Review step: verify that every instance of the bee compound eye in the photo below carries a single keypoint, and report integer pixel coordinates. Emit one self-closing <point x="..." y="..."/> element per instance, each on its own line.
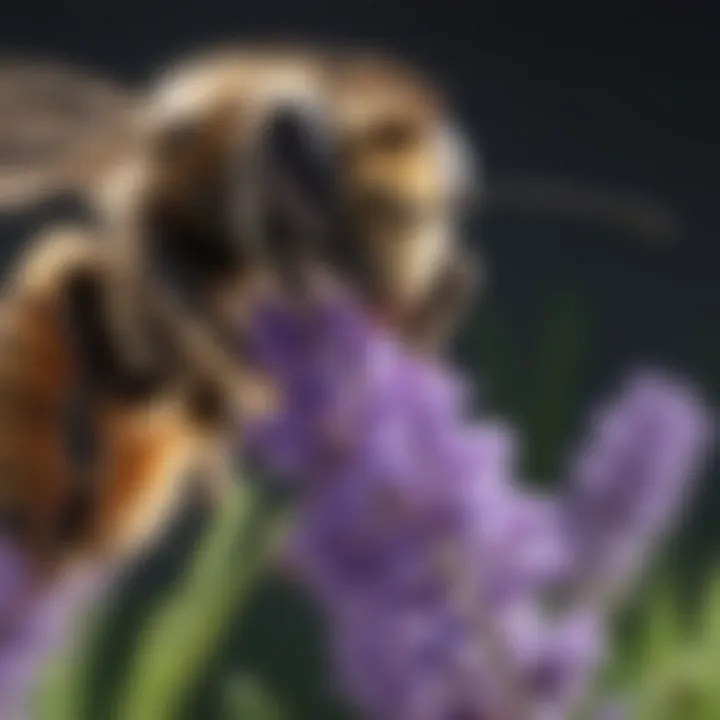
<point x="298" y="147"/>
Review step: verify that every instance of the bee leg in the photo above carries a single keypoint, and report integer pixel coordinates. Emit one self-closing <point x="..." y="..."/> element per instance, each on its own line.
<point x="433" y="325"/>
<point x="147" y="468"/>
<point x="216" y="476"/>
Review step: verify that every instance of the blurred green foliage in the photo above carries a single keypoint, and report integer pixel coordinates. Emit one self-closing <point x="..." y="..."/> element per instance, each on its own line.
<point x="206" y="630"/>
<point x="665" y="668"/>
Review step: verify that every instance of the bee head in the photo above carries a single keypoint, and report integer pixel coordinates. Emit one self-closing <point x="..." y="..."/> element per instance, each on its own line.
<point x="406" y="177"/>
<point x="280" y="160"/>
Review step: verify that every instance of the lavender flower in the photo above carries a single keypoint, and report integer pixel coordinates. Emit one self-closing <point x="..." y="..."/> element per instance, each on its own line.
<point x="631" y="478"/>
<point x="613" y="709"/>
<point x="429" y="556"/>
<point x="34" y="623"/>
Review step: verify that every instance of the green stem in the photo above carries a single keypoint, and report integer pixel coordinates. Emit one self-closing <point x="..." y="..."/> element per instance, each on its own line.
<point x="178" y="643"/>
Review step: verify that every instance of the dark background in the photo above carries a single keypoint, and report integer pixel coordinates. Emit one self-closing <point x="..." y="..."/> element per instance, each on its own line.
<point x="628" y="99"/>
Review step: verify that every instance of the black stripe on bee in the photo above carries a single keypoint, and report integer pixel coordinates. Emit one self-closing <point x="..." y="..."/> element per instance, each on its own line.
<point x="101" y="361"/>
<point x="24" y="405"/>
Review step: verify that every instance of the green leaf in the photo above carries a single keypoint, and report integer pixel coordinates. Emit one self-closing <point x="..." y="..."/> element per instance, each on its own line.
<point x="711" y="614"/>
<point x="673" y="672"/>
<point x="247" y="699"/>
<point x="177" y="643"/>
<point x="663" y="632"/>
<point x="490" y="352"/>
<point x="556" y="381"/>
<point x="61" y="692"/>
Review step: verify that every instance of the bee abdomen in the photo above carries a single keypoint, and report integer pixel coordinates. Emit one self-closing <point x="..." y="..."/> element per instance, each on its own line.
<point x="37" y="478"/>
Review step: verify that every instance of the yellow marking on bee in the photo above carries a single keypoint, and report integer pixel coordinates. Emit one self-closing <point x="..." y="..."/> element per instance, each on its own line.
<point x="146" y="467"/>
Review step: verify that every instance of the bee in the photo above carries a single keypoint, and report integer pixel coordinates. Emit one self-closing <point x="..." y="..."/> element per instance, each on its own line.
<point x="410" y="176"/>
<point x="240" y="174"/>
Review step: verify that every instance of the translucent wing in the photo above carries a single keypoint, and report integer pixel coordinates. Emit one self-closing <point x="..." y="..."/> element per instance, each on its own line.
<point x="56" y="121"/>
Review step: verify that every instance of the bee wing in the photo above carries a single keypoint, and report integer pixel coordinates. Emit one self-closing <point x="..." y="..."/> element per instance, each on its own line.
<point x="55" y="122"/>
